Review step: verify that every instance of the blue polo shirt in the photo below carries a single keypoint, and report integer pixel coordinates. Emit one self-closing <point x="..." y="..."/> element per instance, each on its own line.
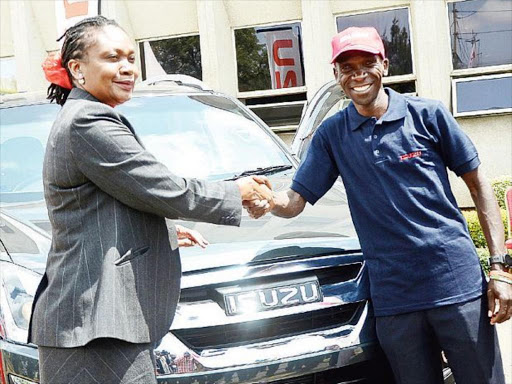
<point x="413" y="236"/>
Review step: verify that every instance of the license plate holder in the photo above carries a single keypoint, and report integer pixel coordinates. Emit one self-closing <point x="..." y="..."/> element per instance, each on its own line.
<point x="269" y="296"/>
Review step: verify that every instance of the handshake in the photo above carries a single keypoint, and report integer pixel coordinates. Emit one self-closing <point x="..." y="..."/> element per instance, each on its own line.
<point x="257" y="196"/>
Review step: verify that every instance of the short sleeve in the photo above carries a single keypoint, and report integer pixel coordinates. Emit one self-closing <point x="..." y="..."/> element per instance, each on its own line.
<point x="317" y="172"/>
<point x="457" y="150"/>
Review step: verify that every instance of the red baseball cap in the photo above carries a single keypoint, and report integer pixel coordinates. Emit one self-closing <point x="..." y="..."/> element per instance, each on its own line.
<point x="364" y="39"/>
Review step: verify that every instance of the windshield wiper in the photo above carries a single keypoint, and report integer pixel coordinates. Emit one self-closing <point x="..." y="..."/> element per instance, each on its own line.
<point x="261" y="171"/>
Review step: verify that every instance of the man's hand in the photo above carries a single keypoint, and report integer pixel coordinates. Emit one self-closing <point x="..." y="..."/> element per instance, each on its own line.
<point x="256" y="192"/>
<point x="257" y="208"/>
<point x="492" y="226"/>
<point x="286" y="204"/>
<point x="188" y="237"/>
<point x="499" y="297"/>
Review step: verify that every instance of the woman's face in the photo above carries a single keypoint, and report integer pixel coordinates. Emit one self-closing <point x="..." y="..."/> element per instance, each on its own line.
<point x="108" y="67"/>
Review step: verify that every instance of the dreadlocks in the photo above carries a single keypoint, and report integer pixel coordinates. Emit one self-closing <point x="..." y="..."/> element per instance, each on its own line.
<point x="76" y="41"/>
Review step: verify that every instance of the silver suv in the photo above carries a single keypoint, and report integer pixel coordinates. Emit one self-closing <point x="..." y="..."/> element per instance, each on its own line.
<point x="275" y="300"/>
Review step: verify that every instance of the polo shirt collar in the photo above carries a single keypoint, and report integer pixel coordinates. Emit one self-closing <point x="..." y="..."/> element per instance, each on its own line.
<point x="397" y="108"/>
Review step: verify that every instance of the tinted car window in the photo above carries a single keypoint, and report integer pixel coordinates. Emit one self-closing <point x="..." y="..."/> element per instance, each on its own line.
<point x="332" y="101"/>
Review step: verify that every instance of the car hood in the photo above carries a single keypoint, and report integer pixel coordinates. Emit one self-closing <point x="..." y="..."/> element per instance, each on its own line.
<point x="261" y="252"/>
<point x="326" y="223"/>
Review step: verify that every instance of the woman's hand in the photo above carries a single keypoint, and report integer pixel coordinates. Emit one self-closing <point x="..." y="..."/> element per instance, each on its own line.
<point x="188" y="237"/>
<point x="256" y="191"/>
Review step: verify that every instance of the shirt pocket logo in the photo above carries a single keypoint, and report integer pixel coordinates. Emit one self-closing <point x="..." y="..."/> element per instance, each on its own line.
<point x="410" y="155"/>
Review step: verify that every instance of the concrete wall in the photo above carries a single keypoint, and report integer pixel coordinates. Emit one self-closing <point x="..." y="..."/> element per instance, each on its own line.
<point x="6" y="42"/>
<point x="493" y="139"/>
<point x="28" y="32"/>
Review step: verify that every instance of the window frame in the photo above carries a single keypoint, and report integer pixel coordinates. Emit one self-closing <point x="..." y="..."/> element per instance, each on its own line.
<point x="396" y="78"/>
<point x="480" y="112"/>
<point x="142" y="60"/>
<point x="267" y="92"/>
<point x="491" y="69"/>
<point x="471" y="74"/>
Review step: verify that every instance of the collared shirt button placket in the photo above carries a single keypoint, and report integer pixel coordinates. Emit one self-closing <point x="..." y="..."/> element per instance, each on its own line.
<point x="373" y="123"/>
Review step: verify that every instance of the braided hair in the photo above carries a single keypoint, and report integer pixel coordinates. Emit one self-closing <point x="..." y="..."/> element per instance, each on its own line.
<point x="77" y="39"/>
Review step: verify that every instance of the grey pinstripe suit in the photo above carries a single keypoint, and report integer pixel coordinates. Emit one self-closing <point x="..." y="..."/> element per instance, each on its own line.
<point x="113" y="270"/>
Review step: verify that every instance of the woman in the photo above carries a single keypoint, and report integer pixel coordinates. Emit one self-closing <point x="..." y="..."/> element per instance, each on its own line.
<point x="112" y="278"/>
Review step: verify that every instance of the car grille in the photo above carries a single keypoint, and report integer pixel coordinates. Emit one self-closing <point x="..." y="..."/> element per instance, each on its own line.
<point x="231" y="335"/>
<point x="325" y="276"/>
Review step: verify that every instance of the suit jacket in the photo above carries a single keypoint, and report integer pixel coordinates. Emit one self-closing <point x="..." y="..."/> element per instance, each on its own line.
<point x="113" y="269"/>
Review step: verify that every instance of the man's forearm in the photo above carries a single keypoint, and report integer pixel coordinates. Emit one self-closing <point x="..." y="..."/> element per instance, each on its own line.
<point x="288" y="204"/>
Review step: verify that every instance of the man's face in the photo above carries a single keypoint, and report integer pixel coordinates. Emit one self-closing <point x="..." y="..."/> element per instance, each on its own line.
<point x="109" y="68"/>
<point x="360" y="75"/>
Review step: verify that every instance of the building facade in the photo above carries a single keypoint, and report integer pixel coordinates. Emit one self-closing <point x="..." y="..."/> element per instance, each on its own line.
<point x="274" y="54"/>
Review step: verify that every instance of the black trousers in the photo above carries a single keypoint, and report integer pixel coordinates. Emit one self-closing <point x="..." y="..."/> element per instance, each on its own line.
<point x="413" y="342"/>
<point x="102" y="361"/>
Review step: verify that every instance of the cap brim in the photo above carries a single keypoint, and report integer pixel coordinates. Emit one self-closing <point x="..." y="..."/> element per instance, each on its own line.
<point x="359" y="48"/>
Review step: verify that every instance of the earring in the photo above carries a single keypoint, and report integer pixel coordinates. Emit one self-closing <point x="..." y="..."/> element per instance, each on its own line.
<point x="81" y="79"/>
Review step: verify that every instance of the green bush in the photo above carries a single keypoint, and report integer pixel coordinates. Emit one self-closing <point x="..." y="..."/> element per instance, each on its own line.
<point x="483" y="255"/>
<point x="475" y="230"/>
<point x="499" y="185"/>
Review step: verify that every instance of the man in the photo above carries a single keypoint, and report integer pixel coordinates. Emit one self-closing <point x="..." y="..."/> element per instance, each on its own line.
<point x="426" y="283"/>
<point x="186" y="363"/>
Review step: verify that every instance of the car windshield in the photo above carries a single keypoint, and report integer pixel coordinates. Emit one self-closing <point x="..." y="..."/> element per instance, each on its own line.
<point x="201" y="136"/>
<point x="24" y="132"/>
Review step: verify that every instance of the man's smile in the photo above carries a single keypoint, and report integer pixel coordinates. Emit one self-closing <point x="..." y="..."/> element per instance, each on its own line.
<point x="362" y="88"/>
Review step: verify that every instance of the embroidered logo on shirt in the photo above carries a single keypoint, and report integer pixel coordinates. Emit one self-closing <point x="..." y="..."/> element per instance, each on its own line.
<point x="410" y="155"/>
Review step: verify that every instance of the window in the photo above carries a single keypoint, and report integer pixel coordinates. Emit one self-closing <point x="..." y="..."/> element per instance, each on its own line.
<point x="393" y="27"/>
<point x="269" y="57"/>
<point x="482" y="95"/>
<point x="177" y="55"/>
<point x="481" y="33"/>
<point x="270" y="70"/>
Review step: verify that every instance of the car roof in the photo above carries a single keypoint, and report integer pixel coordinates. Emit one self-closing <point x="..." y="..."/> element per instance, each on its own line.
<point x="159" y="86"/>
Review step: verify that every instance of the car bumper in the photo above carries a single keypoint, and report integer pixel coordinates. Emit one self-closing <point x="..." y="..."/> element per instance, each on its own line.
<point x="20" y="362"/>
<point x="283" y="359"/>
<point x="280" y="359"/>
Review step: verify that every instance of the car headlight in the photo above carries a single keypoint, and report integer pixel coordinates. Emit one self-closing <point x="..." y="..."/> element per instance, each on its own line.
<point x="16" y="296"/>
<point x="20" y="380"/>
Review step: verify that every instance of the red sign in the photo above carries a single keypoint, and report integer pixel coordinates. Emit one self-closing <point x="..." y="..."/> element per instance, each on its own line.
<point x="69" y="12"/>
<point x="76" y="8"/>
<point x="284" y="59"/>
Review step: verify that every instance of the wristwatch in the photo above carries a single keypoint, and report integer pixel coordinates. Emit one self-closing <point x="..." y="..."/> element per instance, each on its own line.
<point x="504" y="259"/>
